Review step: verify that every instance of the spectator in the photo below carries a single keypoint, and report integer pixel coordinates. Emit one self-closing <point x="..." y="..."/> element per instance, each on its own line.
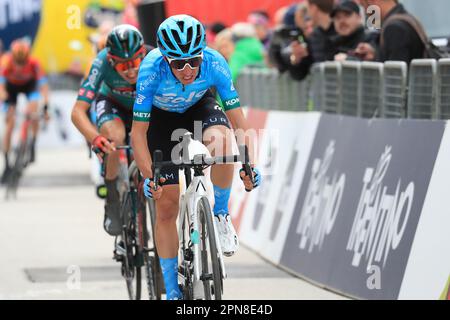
<point x="318" y="47"/>
<point x="212" y="31"/>
<point x="350" y="29"/>
<point x="401" y="40"/>
<point x="320" y="42"/>
<point x="223" y="42"/>
<point x="303" y="19"/>
<point x="241" y="47"/>
<point x="260" y="21"/>
<point x="278" y="17"/>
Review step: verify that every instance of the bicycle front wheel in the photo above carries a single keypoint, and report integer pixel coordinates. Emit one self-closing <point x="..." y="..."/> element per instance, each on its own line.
<point x="211" y="274"/>
<point x="131" y="268"/>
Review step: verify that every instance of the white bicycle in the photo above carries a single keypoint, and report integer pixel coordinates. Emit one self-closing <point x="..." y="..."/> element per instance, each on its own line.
<point x="201" y="269"/>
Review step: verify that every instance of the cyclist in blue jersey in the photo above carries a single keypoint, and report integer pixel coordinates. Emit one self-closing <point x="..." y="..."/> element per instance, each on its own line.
<point x="112" y="84"/>
<point x="173" y="92"/>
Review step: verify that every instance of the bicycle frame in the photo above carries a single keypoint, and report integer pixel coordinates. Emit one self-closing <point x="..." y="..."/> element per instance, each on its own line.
<point x="189" y="200"/>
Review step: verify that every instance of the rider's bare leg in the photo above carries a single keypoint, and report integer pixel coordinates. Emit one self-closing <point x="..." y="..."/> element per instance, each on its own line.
<point x="114" y="131"/>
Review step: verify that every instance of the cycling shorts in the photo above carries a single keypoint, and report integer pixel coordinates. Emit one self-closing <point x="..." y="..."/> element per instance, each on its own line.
<point x="108" y="110"/>
<point x="29" y="89"/>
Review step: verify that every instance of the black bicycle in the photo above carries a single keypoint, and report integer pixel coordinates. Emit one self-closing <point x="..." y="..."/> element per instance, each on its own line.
<point x="135" y="247"/>
<point x="22" y="156"/>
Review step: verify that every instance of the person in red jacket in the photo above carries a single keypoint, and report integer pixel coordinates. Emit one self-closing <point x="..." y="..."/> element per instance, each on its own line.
<point x="20" y="73"/>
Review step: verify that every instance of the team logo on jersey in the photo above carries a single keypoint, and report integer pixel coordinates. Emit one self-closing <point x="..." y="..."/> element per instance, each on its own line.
<point x="232" y="102"/>
<point x="90" y="94"/>
<point x="92" y="78"/>
<point x="140" y="99"/>
<point x="171" y="98"/>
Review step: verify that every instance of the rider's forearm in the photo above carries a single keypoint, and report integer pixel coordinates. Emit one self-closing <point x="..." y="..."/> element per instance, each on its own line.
<point x="140" y="148"/>
<point x="82" y="122"/>
<point x="243" y="132"/>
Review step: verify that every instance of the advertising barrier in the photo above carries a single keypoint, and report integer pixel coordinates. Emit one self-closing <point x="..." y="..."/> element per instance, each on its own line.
<point x="353" y="204"/>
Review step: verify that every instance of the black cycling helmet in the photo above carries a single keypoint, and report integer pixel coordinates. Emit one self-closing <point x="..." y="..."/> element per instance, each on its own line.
<point x="124" y="41"/>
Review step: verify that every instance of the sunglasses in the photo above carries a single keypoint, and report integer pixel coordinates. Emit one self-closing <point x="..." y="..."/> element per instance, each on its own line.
<point x="128" y="65"/>
<point x="122" y="65"/>
<point x="180" y="64"/>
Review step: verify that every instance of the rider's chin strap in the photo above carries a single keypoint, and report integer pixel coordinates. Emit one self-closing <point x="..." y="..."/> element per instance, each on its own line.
<point x="221" y="196"/>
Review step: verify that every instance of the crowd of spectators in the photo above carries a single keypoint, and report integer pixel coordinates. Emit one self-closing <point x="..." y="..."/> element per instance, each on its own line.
<point x="310" y="31"/>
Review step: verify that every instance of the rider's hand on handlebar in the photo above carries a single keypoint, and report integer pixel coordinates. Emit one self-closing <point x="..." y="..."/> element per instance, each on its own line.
<point x="102" y="146"/>
<point x="149" y="188"/>
<point x="247" y="181"/>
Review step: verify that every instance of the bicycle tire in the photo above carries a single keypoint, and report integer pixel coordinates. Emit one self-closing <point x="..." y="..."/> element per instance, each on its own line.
<point x="207" y="224"/>
<point x="152" y="266"/>
<point x="186" y="268"/>
<point x="145" y="235"/>
<point x="130" y="270"/>
<point x="12" y="183"/>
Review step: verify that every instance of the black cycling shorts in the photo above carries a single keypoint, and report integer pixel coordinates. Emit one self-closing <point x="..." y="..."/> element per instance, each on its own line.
<point x="108" y="110"/>
<point x="13" y="90"/>
<point x="164" y="123"/>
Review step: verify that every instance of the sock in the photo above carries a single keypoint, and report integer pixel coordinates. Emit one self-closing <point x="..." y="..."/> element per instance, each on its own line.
<point x="221" y="196"/>
<point x="169" y="268"/>
<point x="6" y="160"/>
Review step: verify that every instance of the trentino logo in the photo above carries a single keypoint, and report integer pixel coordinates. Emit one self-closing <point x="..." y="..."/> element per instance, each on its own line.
<point x="378" y="227"/>
<point x="322" y="202"/>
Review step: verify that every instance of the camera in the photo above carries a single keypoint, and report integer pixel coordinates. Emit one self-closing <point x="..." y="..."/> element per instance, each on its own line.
<point x="288" y="34"/>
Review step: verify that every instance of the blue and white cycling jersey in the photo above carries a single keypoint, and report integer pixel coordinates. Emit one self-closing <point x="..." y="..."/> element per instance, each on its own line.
<point x="157" y="86"/>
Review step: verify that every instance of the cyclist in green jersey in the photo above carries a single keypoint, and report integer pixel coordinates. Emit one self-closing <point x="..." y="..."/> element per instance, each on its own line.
<point x="112" y="84"/>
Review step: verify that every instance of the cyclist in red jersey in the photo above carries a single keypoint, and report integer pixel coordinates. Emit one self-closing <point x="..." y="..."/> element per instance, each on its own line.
<point x="20" y="73"/>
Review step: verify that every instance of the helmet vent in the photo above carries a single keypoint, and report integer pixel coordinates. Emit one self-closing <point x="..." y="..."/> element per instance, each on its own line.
<point x="167" y="40"/>
<point x="180" y="25"/>
<point x="199" y="36"/>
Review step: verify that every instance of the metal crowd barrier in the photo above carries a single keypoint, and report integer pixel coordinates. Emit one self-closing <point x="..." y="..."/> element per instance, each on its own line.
<point x="364" y="89"/>
<point x="394" y="88"/>
<point x="422" y="89"/>
<point x="444" y="89"/>
<point x="351" y="88"/>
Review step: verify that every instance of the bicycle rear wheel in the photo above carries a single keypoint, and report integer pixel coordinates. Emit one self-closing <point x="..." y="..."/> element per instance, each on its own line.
<point x="211" y="274"/>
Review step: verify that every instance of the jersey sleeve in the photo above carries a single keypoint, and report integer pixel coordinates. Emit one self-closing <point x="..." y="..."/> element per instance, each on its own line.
<point x="3" y="66"/>
<point x="39" y="73"/>
<point x="146" y="86"/>
<point x="224" y="83"/>
<point x="91" y="84"/>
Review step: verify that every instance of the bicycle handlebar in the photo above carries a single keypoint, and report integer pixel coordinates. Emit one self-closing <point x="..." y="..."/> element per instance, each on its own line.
<point x="200" y="161"/>
<point x="105" y="157"/>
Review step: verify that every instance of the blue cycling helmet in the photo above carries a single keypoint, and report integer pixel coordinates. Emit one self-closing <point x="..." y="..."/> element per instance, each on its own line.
<point x="181" y="37"/>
